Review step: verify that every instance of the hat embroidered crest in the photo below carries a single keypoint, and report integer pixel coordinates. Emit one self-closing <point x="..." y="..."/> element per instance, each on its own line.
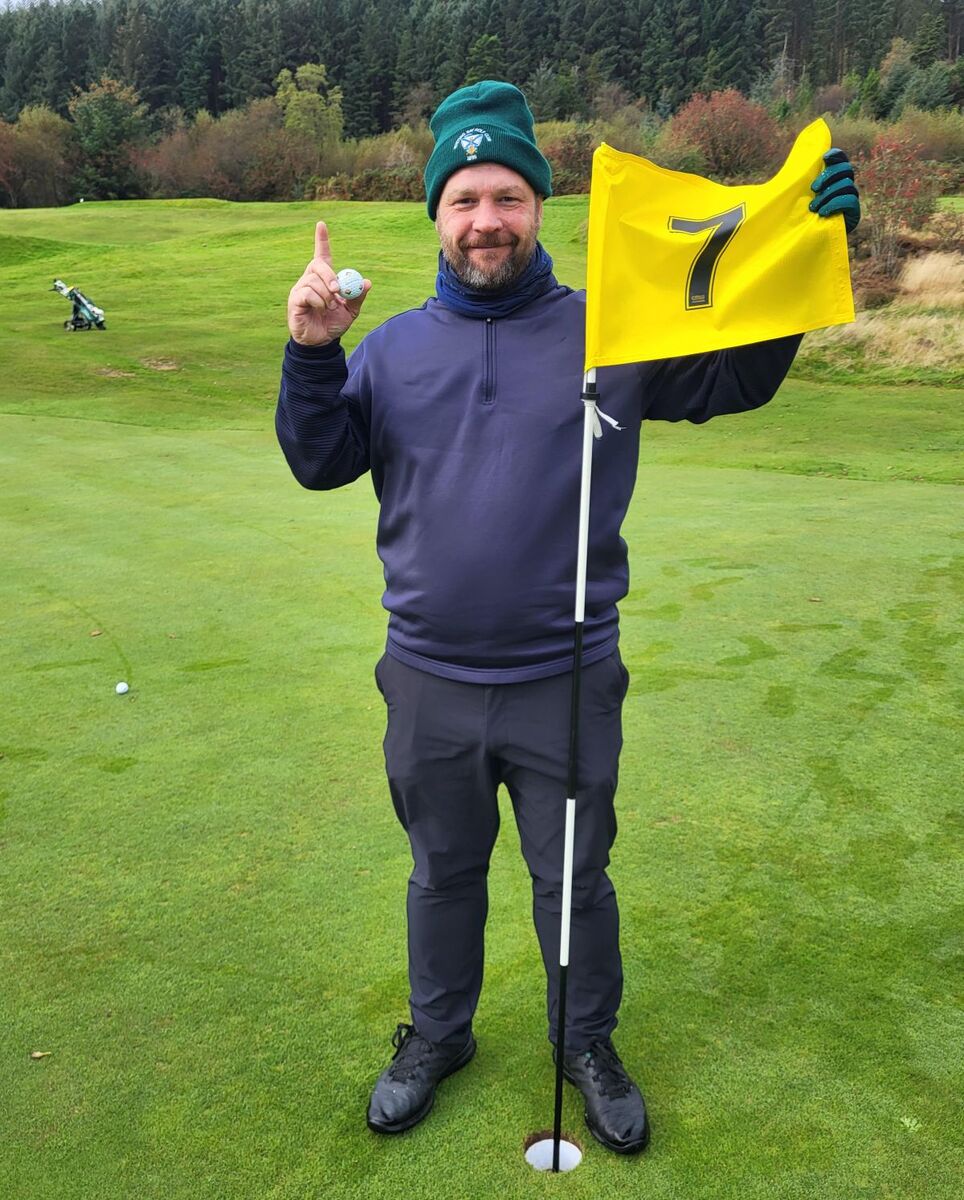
<point x="471" y="140"/>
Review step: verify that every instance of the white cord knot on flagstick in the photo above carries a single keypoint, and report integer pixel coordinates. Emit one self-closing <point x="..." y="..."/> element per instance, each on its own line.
<point x="597" y="412"/>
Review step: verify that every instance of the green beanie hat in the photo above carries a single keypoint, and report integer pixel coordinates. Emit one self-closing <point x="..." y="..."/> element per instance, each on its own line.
<point x="484" y="122"/>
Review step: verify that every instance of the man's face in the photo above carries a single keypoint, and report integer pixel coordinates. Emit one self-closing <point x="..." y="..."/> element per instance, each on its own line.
<point x="488" y="220"/>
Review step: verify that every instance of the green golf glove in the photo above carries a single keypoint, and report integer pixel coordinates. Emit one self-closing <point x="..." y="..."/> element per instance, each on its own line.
<point x="836" y="191"/>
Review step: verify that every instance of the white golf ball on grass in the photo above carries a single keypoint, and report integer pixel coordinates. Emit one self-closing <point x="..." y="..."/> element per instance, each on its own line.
<point x="121" y="688"/>
<point x="350" y="284"/>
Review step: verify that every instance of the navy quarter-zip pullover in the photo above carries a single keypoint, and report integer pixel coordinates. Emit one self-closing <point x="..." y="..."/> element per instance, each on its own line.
<point x="472" y="430"/>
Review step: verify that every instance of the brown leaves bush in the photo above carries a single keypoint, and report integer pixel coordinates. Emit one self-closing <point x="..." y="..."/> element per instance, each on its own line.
<point x="738" y="139"/>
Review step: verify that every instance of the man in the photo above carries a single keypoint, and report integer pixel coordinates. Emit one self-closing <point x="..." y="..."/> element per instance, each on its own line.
<point x="466" y="411"/>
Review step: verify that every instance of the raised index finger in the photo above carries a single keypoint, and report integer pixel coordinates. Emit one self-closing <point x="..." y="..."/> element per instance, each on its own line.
<point x="322" y="247"/>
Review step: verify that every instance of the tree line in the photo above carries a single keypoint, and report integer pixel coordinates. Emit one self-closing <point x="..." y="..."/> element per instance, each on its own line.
<point x="392" y="60"/>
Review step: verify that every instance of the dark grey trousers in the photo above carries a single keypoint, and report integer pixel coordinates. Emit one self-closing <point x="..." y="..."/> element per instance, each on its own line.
<point x="448" y="747"/>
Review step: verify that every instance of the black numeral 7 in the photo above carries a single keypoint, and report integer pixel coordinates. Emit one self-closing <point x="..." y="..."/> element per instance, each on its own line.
<point x="699" y="284"/>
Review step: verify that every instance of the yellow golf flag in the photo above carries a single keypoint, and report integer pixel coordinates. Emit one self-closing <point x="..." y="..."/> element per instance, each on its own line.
<point x="678" y="264"/>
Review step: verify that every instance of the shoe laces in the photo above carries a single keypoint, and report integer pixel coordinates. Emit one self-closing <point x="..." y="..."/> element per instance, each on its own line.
<point x="607" y="1070"/>
<point x="412" y="1051"/>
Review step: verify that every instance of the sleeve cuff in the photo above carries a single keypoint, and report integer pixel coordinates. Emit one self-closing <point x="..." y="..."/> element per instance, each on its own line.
<point x="310" y="354"/>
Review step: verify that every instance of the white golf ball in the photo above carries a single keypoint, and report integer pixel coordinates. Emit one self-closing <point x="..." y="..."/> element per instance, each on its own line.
<point x="121" y="688"/>
<point x="350" y="283"/>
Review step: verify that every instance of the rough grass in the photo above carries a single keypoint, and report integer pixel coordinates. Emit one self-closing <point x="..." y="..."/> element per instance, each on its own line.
<point x="935" y="279"/>
<point x="901" y="343"/>
<point x="203" y="880"/>
<point x="917" y="338"/>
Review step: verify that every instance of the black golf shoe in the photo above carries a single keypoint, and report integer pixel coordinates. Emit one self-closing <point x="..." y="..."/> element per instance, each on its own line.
<point x="615" y="1109"/>
<point x="405" y="1091"/>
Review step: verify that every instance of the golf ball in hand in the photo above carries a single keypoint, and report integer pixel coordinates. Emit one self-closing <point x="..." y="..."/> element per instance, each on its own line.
<point x="350" y="284"/>
<point x="121" y="689"/>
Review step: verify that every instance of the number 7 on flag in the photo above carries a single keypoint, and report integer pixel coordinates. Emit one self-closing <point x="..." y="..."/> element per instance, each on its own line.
<point x="702" y="273"/>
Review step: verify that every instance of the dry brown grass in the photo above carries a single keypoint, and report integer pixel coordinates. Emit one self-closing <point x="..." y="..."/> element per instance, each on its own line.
<point x="935" y="279"/>
<point x="898" y="337"/>
<point x="922" y="328"/>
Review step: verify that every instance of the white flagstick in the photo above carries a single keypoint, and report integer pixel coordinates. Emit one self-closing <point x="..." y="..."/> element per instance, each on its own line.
<point x="589" y="430"/>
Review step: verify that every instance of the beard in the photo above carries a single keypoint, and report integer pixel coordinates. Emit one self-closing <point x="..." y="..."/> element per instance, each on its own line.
<point x="475" y="272"/>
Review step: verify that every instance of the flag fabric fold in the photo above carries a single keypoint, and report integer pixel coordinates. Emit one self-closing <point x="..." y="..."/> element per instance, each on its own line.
<point x="678" y="264"/>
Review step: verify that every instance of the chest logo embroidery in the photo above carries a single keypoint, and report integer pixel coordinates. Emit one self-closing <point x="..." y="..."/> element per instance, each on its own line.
<point x="470" y="141"/>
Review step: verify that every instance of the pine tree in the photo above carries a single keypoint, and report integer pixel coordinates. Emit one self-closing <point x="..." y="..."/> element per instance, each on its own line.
<point x="657" y="43"/>
<point x="542" y="93"/>
<point x="681" y="66"/>
<point x="484" y="59"/>
<point x="530" y="33"/>
<point x="732" y="40"/>
<point x="78" y="42"/>
<point x="134" y="50"/>
<point x="251" y="49"/>
<point x="930" y="87"/>
<point x="931" y="40"/>
<point x="25" y="49"/>
<point x="218" y="54"/>
<point x="870" y="94"/>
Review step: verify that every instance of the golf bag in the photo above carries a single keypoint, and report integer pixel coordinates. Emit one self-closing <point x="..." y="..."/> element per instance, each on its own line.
<point x="86" y="314"/>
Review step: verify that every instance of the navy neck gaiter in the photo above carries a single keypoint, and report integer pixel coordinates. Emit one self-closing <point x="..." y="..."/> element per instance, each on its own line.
<point x="535" y="281"/>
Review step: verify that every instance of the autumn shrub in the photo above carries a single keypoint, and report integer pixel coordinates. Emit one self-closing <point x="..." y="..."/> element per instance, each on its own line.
<point x="621" y="122"/>
<point x="832" y="99"/>
<point x="276" y="166"/>
<point x="384" y="164"/>
<point x="622" y="131"/>
<point x="855" y="135"/>
<point x="946" y="228"/>
<point x="37" y="160"/>
<point x="179" y="166"/>
<point x="671" y="149"/>
<point x="939" y="135"/>
<point x="333" y="187"/>
<point x="901" y="192"/>
<point x="611" y="101"/>
<point x="45" y="157"/>
<point x="402" y="182"/>
<point x="8" y="172"/>
<point x="244" y="155"/>
<point x="406" y="146"/>
<point x="738" y="138"/>
<point x="871" y="287"/>
<point x="570" y="156"/>
<point x="551" y="131"/>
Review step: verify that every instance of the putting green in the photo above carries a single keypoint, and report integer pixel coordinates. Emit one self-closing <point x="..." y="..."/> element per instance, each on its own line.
<point x="204" y="881"/>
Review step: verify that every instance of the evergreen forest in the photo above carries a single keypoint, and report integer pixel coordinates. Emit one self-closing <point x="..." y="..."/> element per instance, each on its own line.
<point x="393" y="59"/>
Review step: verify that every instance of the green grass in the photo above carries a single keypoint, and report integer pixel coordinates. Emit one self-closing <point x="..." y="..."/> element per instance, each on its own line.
<point x="203" y="881"/>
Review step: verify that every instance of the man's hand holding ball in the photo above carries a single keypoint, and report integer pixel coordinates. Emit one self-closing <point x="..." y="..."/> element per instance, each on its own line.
<point x="323" y="304"/>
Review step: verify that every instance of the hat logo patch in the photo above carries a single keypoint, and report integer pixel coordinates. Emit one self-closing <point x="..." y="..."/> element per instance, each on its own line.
<point x="470" y="141"/>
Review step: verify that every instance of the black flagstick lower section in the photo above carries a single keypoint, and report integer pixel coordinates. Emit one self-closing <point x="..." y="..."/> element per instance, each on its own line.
<point x="590" y="428"/>
<point x="563" y="968"/>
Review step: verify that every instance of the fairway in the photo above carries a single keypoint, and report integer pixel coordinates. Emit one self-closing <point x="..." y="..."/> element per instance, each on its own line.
<point x="203" y="881"/>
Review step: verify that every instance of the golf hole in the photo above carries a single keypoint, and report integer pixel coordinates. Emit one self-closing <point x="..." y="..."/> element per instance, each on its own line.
<point x="538" y="1148"/>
